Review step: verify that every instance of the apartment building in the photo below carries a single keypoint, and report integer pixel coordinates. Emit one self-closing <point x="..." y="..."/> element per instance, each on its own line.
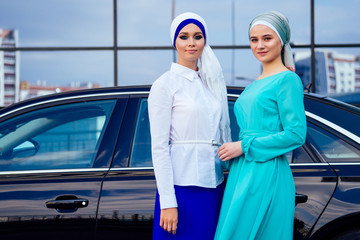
<point x="335" y="73"/>
<point x="9" y="68"/>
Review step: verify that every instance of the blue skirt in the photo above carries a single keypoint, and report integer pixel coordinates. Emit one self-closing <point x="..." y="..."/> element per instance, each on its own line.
<point x="198" y="213"/>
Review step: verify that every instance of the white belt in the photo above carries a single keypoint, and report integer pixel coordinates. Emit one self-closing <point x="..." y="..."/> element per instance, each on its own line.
<point x="211" y="142"/>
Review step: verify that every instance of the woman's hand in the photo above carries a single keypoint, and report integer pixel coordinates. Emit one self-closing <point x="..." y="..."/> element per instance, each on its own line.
<point x="169" y="219"/>
<point x="229" y="150"/>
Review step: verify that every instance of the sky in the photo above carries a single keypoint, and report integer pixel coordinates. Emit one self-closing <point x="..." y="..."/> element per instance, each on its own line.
<point x="89" y="23"/>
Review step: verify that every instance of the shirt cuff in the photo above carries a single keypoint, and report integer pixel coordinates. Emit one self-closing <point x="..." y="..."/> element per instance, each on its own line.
<point x="168" y="201"/>
<point x="245" y="145"/>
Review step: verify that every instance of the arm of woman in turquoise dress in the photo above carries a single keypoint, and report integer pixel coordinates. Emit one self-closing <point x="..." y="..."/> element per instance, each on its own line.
<point x="290" y="102"/>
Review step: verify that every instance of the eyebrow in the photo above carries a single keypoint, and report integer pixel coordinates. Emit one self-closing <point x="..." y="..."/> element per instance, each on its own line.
<point x="265" y="35"/>
<point x="188" y="33"/>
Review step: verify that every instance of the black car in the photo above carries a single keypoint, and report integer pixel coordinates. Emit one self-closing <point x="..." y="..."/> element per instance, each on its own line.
<point x="77" y="165"/>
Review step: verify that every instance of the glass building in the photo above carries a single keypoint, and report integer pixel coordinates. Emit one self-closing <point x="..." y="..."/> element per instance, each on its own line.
<point x="62" y="45"/>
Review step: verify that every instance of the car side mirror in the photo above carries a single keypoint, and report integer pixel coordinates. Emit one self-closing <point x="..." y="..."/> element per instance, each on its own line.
<point x="26" y="149"/>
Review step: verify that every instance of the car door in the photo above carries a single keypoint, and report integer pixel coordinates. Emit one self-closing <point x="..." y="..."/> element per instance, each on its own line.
<point x="314" y="180"/>
<point x="128" y="194"/>
<point x="52" y="167"/>
<point x="341" y="151"/>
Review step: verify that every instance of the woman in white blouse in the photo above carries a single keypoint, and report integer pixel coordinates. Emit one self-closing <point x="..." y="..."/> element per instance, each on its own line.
<point x="189" y="119"/>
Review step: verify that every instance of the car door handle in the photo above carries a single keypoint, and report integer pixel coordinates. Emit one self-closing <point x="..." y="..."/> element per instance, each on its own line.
<point x="300" y="198"/>
<point x="67" y="203"/>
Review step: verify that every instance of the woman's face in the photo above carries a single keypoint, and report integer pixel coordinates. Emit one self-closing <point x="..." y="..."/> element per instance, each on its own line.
<point x="190" y="44"/>
<point x="265" y="44"/>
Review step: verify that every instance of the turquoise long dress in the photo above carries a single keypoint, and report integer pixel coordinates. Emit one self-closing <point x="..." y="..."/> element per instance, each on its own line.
<point x="259" y="199"/>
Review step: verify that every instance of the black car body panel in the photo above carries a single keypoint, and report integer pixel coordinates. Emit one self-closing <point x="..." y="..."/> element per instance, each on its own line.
<point x="127" y="202"/>
<point x="23" y="204"/>
<point x="115" y="195"/>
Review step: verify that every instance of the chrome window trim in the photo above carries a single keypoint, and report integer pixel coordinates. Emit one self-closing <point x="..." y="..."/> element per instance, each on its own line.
<point x="54" y="171"/>
<point x="308" y="164"/>
<point x="233" y="95"/>
<point x="73" y="97"/>
<point x="334" y="126"/>
<point x="74" y="170"/>
<point x="345" y="163"/>
<point x="291" y="165"/>
<point x="132" y="169"/>
<point x="326" y="164"/>
<point x="147" y="168"/>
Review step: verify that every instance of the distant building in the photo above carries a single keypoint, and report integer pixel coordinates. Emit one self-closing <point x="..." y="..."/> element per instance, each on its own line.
<point x="29" y="91"/>
<point x="9" y="68"/>
<point x="335" y="73"/>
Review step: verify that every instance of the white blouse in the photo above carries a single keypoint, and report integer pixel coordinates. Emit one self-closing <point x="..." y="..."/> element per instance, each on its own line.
<point x="181" y="107"/>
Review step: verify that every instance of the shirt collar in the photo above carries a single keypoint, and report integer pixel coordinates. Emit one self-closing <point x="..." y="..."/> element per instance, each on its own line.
<point x="184" y="71"/>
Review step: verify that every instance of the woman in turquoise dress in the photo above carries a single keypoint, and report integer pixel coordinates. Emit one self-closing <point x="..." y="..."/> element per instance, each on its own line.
<point x="259" y="199"/>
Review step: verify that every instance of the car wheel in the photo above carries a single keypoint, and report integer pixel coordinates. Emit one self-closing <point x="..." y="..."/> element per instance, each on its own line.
<point x="352" y="234"/>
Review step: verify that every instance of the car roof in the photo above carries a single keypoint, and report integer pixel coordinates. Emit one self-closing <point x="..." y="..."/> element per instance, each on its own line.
<point x="75" y="94"/>
<point x="341" y="113"/>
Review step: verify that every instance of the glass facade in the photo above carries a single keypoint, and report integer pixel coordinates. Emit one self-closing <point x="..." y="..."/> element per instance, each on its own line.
<point x="329" y="14"/>
<point x="60" y="45"/>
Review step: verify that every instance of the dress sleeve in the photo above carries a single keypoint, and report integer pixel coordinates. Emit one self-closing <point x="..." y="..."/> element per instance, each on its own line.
<point x="290" y="101"/>
<point x="160" y="107"/>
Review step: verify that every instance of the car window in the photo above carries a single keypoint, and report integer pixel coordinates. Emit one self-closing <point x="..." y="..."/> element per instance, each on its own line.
<point x="57" y="137"/>
<point x="235" y="130"/>
<point x="330" y="147"/>
<point x="141" y="148"/>
<point x="299" y="155"/>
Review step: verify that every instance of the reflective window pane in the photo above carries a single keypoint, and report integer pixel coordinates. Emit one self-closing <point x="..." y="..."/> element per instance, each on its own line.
<point x="142" y="67"/>
<point x="144" y="23"/>
<point x="337" y="71"/>
<point x="47" y="72"/>
<point x="240" y="67"/>
<point x="337" y="21"/>
<point x="59" y="22"/>
<point x="303" y="65"/>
